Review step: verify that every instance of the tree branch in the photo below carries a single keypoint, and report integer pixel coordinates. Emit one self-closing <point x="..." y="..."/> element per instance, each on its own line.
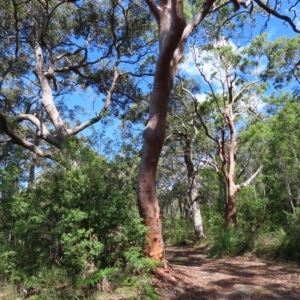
<point x="204" y="10"/>
<point x="16" y="139"/>
<point x="276" y="14"/>
<point x="154" y="9"/>
<point x="248" y="181"/>
<point x="42" y="129"/>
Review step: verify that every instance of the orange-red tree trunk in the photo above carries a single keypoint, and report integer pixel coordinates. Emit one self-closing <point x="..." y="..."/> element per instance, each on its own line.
<point x="173" y="34"/>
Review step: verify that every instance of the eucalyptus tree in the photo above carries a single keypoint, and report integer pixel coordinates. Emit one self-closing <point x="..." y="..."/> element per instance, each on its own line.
<point x="185" y="154"/>
<point x="173" y="34"/>
<point x="238" y="95"/>
<point x="283" y="61"/>
<point x="54" y="50"/>
<point x="173" y="37"/>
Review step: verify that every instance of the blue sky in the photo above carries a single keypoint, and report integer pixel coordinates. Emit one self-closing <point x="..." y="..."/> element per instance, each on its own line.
<point x="93" y="103"/>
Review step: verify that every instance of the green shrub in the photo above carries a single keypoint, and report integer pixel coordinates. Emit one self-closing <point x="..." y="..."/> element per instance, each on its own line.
<point x="226" y="241"/>
<point x="137" y="262"/>
<point x="178" y="232"/>
<point x="279" y="242"/>
<point x="78" y="219"/>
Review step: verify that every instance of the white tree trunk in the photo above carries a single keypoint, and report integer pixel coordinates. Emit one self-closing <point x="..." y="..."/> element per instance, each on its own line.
<point x="193" y="195"/>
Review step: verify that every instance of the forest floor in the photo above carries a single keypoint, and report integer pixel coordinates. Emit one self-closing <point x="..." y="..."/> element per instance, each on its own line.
<point x="192" y="275"/>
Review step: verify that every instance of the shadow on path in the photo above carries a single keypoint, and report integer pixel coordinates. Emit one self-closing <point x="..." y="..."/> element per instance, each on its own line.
<point x="192" y="275"/>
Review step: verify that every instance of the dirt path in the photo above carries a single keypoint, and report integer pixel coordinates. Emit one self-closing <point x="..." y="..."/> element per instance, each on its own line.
<point x="191" y="275"/>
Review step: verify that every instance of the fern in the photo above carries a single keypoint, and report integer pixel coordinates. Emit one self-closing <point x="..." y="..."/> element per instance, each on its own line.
<point x="135" y="260"/>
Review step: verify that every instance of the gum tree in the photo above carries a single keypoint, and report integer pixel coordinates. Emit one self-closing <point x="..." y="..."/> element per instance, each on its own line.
<point x="54" y="50"/>
<point x="173" y="36"/>
<point x="229" y="113"/>
<point x="182" y="156"/>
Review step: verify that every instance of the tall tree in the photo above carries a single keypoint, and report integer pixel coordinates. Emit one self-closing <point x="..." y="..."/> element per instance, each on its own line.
<point x="239" y="96"/>
<point x="54" y="49"/>
<point x="173" y="35"/>
<point x="185" y="147"/>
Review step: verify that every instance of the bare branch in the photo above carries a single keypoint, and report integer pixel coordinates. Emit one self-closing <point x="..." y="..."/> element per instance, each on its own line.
<point x="67" y="54"/>
<point x="154" y="9"/>
<point x="203" y="12"/>
<point x="42" y="129"/>
<point x="276" y="14"/>
<point x="199" y="115"/>
<point x="206" y="80"/>
<point x="16" y="139"/>
<point x="248" y="181"/>
<point x="240" y="113"/>
<point x="216" y="8"/>
<point x="243" y="89"/>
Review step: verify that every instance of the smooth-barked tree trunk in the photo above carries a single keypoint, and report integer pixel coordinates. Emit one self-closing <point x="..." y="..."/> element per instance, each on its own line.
<point x="226" y="144"/>
<point x="193" y="195"/>
<point x="231" y="204"/>
<point x="173" y="34"/>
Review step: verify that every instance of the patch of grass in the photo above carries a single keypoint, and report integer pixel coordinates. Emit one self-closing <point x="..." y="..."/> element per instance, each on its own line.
<point x="8" y="291"/>
<point x="226" y="242"/>
<point x="278" y="243"/>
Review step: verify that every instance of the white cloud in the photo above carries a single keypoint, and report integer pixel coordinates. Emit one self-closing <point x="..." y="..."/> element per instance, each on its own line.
<point x="201" y="97"/>
<point x="188" y="66"/>
<point x="208" y="63"/>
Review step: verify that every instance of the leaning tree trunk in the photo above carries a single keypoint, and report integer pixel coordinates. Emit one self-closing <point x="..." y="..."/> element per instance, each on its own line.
<point x="147" y="200"/>
<point x="173" y="34"/>
<point x="171" y="24"/>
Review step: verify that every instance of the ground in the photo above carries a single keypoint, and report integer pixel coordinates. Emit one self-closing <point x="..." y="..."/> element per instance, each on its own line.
<point x="192" y="275"/>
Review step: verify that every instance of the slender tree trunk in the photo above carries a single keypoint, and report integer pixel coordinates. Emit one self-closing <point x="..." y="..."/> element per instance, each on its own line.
<point x="32" y="169"/>
<point x="180" y="206"/>
<point x="193" y="196"/>
<point x="231" y="204"/>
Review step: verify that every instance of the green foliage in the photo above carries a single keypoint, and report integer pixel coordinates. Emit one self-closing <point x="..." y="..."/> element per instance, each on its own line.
<point x="137" y="262"/>
<point x="281" y="242"/>
<point x="77" y="219"/>
<point x="139" y="287"/>
<point x="269" y="243"/>
<point x="226" y="241"/>
<point x="106" y="273"/>
<point x="178" y="232"/>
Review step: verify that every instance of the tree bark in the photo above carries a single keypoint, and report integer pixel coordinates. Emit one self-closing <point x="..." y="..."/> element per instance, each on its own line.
<point x="47" y="98"/>
<point x="193" y="195"/>
<point x="33" y="164"/>
<point x="171" y="25"/>
<point x="173" y="34"/>
<point x="231" y="205"/>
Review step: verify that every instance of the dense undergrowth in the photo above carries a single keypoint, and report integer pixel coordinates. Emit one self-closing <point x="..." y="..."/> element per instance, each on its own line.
<point x="265" y="240"/>
<point x="74" y="234"/>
